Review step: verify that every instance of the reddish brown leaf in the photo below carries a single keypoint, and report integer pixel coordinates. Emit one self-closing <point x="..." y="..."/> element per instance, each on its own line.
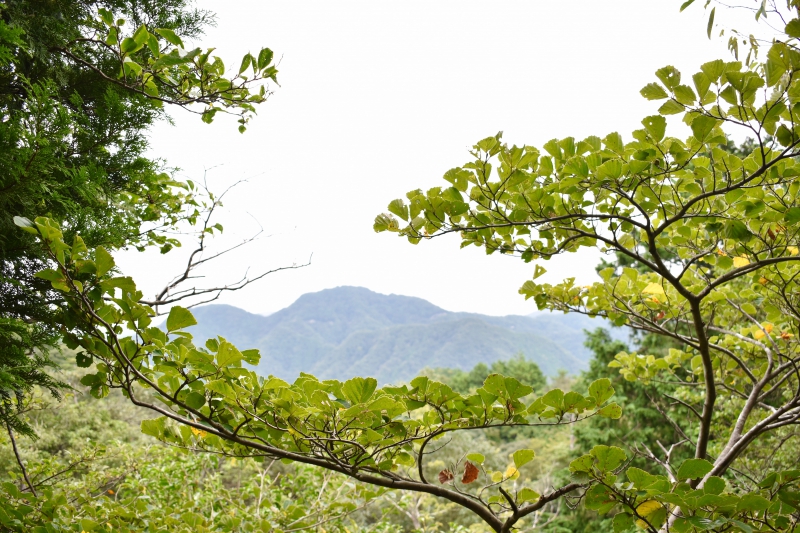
<point x="445" y="476"/>
<point x="771" y="234"/>
<point x="470" y="473"/>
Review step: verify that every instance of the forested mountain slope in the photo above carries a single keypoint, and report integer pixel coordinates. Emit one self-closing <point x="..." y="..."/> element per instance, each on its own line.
<point x="348" y="331"/>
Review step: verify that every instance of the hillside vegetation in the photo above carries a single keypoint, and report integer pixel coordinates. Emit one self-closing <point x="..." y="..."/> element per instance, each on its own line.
<point x="347" y="331"/>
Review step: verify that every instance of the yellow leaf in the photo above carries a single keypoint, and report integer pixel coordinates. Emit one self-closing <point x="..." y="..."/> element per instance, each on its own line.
<point x="497" y="477"/>
<point x="655" y="289"/>
<point x="740" y="261"/>
<point x="645" y="509"/>
<point x="762" y="280"/>
<point x="758" y="334"/>
<point x="792" y="250"/>
<point x="511" y="473"/>
<point x="767" y="326"/>
<point x="721" y="252"/>
<point x="199" y="432"/>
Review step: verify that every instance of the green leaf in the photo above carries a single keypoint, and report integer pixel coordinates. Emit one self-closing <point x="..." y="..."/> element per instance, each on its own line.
<point x="103" y="261"/>
<point x="129" y="46"/>
<point x="600" y="499"/>
<point x="359" y="390"/>
<point x="264" y="58"/>
<point x="686" y="4"/>
<point x="554" y="398"/>
<point x="623" y="522"/>
<point x="89" y="525"/>
<point x="582" y="464"/>
<point x="737" y="230"/>
<point x="656" y="126"/>
<point x="228" y="354"/>
<point x="653" y="91"/>
<point x="195" y="400"/>
<point x="702" y="126"/>
<point x="714" y="485"/>
<point x="245" y="63"/>
<point x="141" y="35"/>
<point x="694" y="468"/>
<point x="476" y="458"/>
<point x="671" y="107"/>
<point x="169" y="36"/>
<point x="398" y="208"/>
<point x="792" y="215"/>
<point x="180" y="318"/>
<point x="522" y="457"/>
<point x="527" y="495"/>
<point x="154" y="427"/>
<point x="713" y="69"/>
<point x="753" y="502"/>
<point x="601" y="390"/>
<point x="685" y="95"/>
<point x="611" y="410"/>
<point x="792" y="29"/>
<point x="669" y="76"/>
<point x="83" y="360"/>
<point x="26" y="224"/>
<point x="608" y="457"/>
<point x="711" y="22"/>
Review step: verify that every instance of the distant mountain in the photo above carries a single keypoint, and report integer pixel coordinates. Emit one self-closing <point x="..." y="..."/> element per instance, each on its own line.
<point x="348" y="331"/>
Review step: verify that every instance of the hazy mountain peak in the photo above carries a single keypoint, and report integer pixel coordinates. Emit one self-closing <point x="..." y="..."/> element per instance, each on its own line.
<point x="347" y="331"/>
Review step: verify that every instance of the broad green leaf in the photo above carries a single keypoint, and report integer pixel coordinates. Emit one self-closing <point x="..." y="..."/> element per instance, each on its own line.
<point x="669" y="76"/>
<point x="608" y="457"/>
<point x="103" y="261"/>
<point x="264" y="58"/>
<point x="359" y="390"/>
<point x="399" y="208"/>
<point x="671" y="107"/>
<point x="694" y="468"/>
<point x="582" y="464"/>
<point x="656" y="126"/>
<point x="89" y="525"/>
<point x="623" y="522"/>
<point x="600" y="499"/>
<point x="654" y="91"/>
<point x="170" y="36"/>
<point x="601" y="390"/>
<point x="179" y="318"/>
<point x="611" y="410"/>
<point x="522" y="457"/>
<point x="792" y="215"/>
<point x="83" y="360"/>
<point x="476" y="458"/>
<point x="195" y="400"/>
<point x="154" y="427"/>
<point x="702" y="126"/>
<point x="527" y="495"/>
<point x="228" y="354"/>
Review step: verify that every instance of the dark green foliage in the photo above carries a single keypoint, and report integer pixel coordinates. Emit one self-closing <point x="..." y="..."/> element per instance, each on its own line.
<point x="72" y="146"/>
<point x="641" y="423"/>
<point x="518" y="367"/>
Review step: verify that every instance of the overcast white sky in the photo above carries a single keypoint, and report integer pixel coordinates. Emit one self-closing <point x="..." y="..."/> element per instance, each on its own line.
<point x="378" y="98"/>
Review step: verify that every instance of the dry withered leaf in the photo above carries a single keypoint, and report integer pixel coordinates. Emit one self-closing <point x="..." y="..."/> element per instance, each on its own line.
<point x="470" y="473"/>
<point x="445" y="476"/>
